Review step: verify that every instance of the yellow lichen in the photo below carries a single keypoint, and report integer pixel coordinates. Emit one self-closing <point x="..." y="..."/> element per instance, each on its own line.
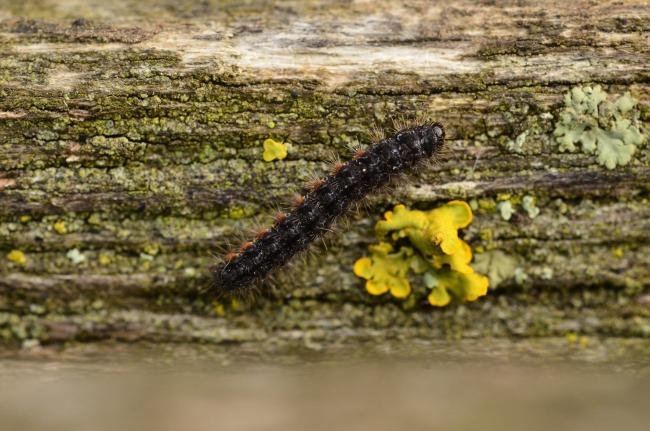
<point x="468" y="287"/>
<point x="236" y="305"/>
<point x="274" y="150"/>
<point x="17" y="257"/>
<point x="151" y="249"/>
<point x="219" y="309"/>
<point x="104" y="259"/>
<point x="573" y="338"/>
<point x="386" y="271"/>
<point x="437" y="252"/>
<point x="236" y="213"/>
<point x="458" y="261"/>
<point x="60" y="227"/>
<point x="426" y="230"/>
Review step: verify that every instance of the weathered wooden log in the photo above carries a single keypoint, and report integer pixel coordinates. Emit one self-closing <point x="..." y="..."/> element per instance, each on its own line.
<point x="130" y="153"/>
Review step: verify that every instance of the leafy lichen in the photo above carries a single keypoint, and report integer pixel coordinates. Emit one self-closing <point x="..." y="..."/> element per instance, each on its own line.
<point x="609" y="129"/>
<point x="387" y="271"/>
<point x="436" y="252"/>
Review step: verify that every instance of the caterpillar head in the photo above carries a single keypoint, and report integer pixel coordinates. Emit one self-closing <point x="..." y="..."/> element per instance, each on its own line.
<point x="433" y="137"/>
<point x="429" y="137"/>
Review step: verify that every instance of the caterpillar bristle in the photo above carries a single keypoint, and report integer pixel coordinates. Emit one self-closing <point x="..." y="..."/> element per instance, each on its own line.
<point x="215" y="255"/>
<point x="377" y="133"/>
<point x="366" y="203"/>
<point x="358" y="153"/>
<point x="345" y="222"/>
<point x="261" y="233"/>
<point x="279" y="217"/>
<point x="421" y="119"/>
<point x="433" y="162"/>
<point x="399" y="123"/>
<point x="311" y="178"/>
<point x="315" y="184"/>
<point x="331" y="157"/>
<point x="445" y="152"/>
<point x="222" y="249"/>
<point x="336" y="168"/>
<point x="297" y="200"/>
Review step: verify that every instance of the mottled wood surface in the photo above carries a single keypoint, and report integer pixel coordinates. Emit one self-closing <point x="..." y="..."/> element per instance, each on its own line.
<point x="138" y="125"/>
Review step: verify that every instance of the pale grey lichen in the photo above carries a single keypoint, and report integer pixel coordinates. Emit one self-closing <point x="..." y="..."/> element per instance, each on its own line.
<point x="75" y="256"/>
<point x="505" y="209"/>
<point x="528" y="204"/>
<point x="497" y="265"/>
<point x="608" y="128"/>
<point x="517" y="145"/>
<point x="547" y="273"/>
<point x="520" y="276"/>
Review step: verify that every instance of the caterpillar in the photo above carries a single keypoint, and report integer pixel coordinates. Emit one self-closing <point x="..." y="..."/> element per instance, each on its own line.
<point x="328" y="199"/>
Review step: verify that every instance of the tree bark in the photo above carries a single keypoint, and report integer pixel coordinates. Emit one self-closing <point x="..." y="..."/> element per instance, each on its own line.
<point x="130" y="153"/>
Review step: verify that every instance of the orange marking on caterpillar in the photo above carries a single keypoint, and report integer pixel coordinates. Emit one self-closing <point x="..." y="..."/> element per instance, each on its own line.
<point x="336" y="168"/>
<point x="358" y="153"/>
<point x="297" y="200"/>
<point x="315" y="184"/>
<point x="261" y="233"/>
<point x="230" y="256"/>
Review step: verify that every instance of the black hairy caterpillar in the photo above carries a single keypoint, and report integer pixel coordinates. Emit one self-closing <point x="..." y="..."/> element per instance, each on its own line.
<point x="329" y="198"/>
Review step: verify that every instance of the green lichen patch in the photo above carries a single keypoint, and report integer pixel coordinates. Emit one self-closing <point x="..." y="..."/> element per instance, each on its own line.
<point x="608" y="128"/>
<point x="498" y="266"/>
